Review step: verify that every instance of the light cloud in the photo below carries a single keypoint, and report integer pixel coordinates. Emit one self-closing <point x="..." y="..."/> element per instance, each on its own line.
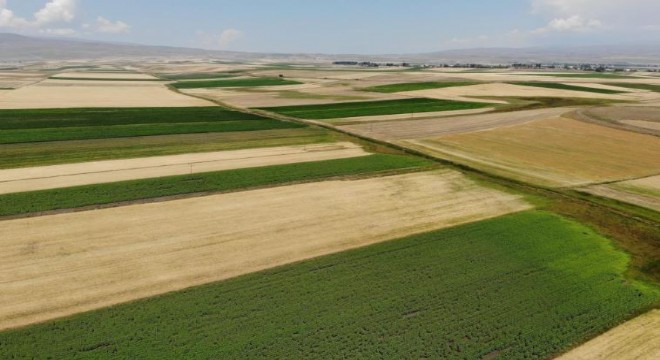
<point x="575" y="23"/>
<point x="54" y="11"/>
<point x="109" y="27"/>
<point x="227" y="37"/>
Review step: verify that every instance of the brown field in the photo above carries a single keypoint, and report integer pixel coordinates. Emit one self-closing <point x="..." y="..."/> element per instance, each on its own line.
<point x="643" y="192"/>
<point x="58" y="176"/>
<point x="638" y="339"/>
<point x="415" y="129"/>
<point x="552" y="152"/>
<point x="88" y="93"/>
<point x="651" y="125"/>
<point x="58" y="265"/>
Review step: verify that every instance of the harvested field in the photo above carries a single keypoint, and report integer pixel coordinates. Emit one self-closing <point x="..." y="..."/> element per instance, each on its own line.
<point x="414" y="129"/>
<point x="87" y="93"/>
<point x="637" y="339"/>
<point x="552" y="152"/>
<point x="58" y="176"/>
<point x="392" y="88"/>
<point x="621" y="113"/>
<point x="62" y="152"/>
<point x="573" y="87"/>
<point x="104" y="75"/>
<point x="468" y="93"/>
<point x="59" y="265"/>
<point x="643" y="124"/>
<point x="13" y="80"/>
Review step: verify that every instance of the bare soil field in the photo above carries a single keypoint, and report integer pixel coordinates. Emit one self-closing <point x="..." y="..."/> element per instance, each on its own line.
<point x="644" y="119"/>
<point x="88" y="93"/>
<point x="58" y="176"/>
<point x="637" y="339"/>
<point x="58" y="265"/>
<point x="416" y="129"/>
<point x="104" y="75"/>
<point x="464" y="93"/>
<point x="552" y="152"/>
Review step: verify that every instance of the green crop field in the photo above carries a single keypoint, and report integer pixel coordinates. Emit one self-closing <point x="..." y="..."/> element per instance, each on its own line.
<point x="650" y="87"/>
<point x="55" y="118"/>
<point x="117" y="131"/>
<point x="80" y="196"/>
<point x="522" y="286"/>
<point x="394" y="88"/>
<point x="61" y="152"/>
<point x="244" y="82"/>
<point x="560" y="86"/>
<point x="367" y="108"/>
<point x="23" y="126"/>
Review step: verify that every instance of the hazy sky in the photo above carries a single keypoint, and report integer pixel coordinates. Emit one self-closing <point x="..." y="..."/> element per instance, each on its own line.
<point x="339" y="26"/>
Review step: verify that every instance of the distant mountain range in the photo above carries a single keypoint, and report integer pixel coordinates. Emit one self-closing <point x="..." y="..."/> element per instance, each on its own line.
<point x="15" y="47"/>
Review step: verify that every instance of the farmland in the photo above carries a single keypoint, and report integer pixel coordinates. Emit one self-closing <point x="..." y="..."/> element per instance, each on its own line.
<point x="242" y="82"/>
<point x="131" y="252"/>
<point x="23" y="126"/>
<point x="447" y="294"/>
<point x="197" y="76"/>
<point x="62" y="152"/>
<point x="552" y="152"/>
<point x="649" y="87"/>
<point x="370" y="108"/>
<point x="220" y="181"/>
<point x="88" y="93"/>
<point x="393" y="88"/>
<point x="551" y="85"/>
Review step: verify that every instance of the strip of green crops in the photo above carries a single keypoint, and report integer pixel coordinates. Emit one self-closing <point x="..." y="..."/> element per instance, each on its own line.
<point x="566" y="87"/>
<point x="393" y="88"/>
<point x="53" y="118"/>
<point x="233" y="83"/>
<point x="522" y="286"/>
<point x="80" y="196"/>
<point x="368" y="108"/>
<point x="118" y="131"/>
<point x="650" y="87"/>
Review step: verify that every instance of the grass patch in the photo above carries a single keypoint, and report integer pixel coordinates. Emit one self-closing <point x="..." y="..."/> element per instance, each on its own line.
<point x="560" y="86"/>
<point x="444" y="294"/>
<point x="244" y="82"/>
<point x="197" y="76"/>
<point x="80" y="196"/>
<point x="56" y="118"/>
<point x="394" y="88"/>
<point x="62" y="152"/>
<point x="368" y="108"/>
<point x="651" y="87"/>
